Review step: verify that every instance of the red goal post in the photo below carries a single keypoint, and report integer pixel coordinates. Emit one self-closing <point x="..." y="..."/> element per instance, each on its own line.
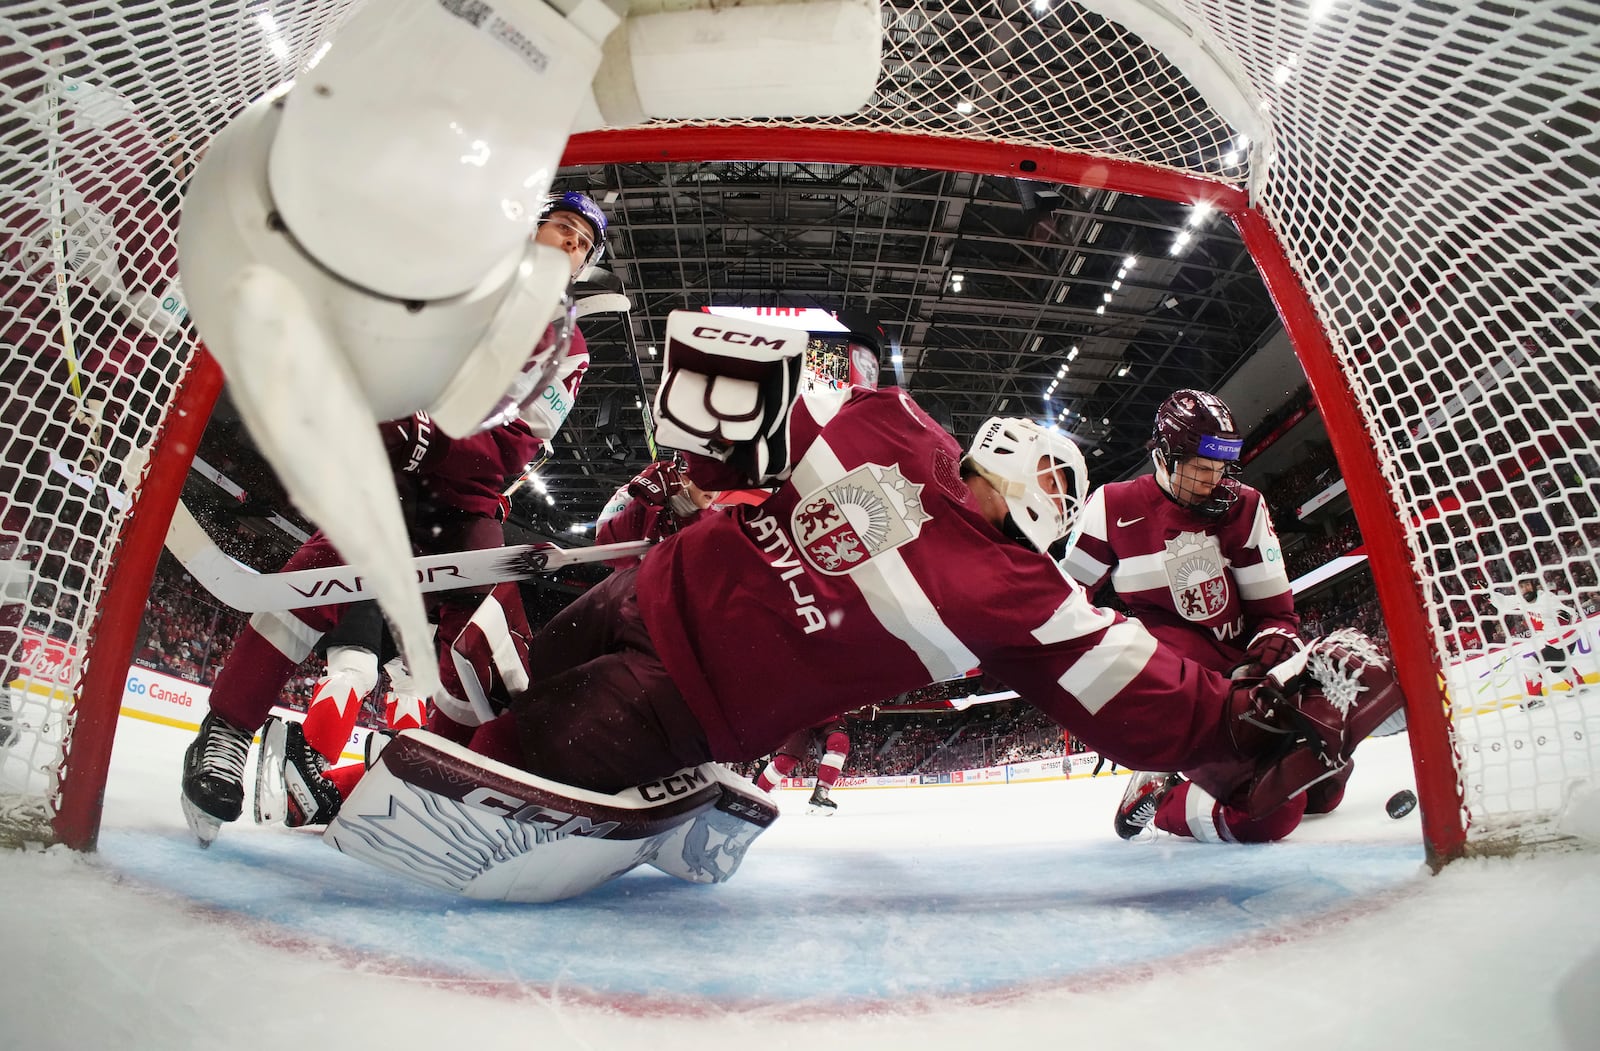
<point x="1417" y="192"/>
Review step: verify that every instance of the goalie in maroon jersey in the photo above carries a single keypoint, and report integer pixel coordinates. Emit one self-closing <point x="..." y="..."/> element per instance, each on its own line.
<point x="888" y="557"/>
<point x="1192" y="552"/>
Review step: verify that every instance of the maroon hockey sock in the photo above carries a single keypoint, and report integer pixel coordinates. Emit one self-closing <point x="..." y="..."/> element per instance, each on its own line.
<point x="1220" y="823"/>
<point x="446" y="727"/>
<point x="250" y="681"/>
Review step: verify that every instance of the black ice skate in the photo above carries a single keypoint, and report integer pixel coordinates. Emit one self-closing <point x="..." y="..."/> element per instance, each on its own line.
<point x="1140" y="800"/>
<point x="310" y="798"/>
<point x="213" y="777"/>
<point x="820" y="803"/>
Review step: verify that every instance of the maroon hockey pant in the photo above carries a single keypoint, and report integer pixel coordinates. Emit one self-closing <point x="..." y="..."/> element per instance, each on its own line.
<point x="600" y="712"/>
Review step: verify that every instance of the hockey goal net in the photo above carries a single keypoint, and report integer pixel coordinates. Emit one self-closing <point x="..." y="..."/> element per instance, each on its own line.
<point x="1417" y="184"/>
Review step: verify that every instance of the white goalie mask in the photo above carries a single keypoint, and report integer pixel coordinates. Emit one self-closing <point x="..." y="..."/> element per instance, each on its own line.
<point x="1040" y="473"/>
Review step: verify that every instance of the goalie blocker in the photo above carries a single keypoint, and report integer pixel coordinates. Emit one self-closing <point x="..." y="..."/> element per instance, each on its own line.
<point x="445" y="816"/>
<point x="726" y="390"/>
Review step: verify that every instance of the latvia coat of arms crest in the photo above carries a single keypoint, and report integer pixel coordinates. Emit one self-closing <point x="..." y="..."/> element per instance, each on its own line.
<point x="869" y="511"/>
<point x="1196" y="575"/>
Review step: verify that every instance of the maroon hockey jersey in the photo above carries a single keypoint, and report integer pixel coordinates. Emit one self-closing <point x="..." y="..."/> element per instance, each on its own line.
<point x="470" y="473"/>
<point x="1202" y="585"/>
<point x="626" y="518"/>
<point x="871" y="572"/>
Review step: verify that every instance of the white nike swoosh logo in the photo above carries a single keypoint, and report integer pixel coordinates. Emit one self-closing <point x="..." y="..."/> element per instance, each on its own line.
<point x="1121" y="524"/>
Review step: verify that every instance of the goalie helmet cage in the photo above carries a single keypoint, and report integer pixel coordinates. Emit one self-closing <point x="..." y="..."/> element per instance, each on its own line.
<point x="1418" y="190"/>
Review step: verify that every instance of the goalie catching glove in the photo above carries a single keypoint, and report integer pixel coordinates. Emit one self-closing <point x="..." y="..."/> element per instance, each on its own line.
<point x="727" y="389"/>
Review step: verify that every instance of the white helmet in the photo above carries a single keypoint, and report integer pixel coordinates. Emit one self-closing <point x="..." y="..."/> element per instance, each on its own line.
<point x="1016" y="456"/>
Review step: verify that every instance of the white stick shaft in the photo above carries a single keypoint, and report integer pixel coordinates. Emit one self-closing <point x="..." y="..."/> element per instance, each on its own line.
<point x="248" y="591"/>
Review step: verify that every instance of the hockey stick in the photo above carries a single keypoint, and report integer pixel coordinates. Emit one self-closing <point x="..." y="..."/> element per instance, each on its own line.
<point x="610" y="298"/>
<point x="248" y="591"/>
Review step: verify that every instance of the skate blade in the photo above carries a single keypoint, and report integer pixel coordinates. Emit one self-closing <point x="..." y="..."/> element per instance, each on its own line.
<point x="205" y="827"/>
<point x="272" y="796"/>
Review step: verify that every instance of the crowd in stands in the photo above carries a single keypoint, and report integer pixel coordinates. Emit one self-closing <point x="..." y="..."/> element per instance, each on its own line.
<point x="996" y="734"/>
<point x="1303" y="554"/>
<point x="887" y="740"/>
<point x="1288" y="490"/>
<point x="186" y="633"/>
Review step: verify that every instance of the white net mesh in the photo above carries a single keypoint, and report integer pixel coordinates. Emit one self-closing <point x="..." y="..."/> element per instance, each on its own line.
<point x="1429" y="168"/>
<point x="103" y="110"/>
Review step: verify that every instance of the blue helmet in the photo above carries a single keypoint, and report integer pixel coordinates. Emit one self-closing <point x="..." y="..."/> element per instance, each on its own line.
<point x="582" y="205"/>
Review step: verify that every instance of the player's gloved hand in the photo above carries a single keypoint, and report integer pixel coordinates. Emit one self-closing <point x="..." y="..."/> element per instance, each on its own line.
<point x="413" y="443"/>
<point x="1270" y="648"/>
<point x="658" y="483"/>
<point x="665" y="484"/>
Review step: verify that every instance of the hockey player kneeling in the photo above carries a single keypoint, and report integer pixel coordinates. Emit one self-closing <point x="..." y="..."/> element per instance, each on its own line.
<point x="438" y="813"/>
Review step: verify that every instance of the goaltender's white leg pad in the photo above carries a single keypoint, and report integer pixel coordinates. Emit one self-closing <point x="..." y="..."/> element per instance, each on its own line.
<point x="445" y="816"/>
<point x="709" y="848"/>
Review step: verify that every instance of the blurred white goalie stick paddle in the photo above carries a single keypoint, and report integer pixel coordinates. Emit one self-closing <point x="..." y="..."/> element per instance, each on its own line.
<point x="242" y="588"/>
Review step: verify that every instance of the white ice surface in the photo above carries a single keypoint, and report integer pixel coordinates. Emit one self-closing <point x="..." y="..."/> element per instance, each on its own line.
<point x="932" y="918"/>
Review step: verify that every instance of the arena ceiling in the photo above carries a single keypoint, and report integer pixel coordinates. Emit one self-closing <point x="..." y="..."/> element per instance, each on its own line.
<point x="1037" y="262"/>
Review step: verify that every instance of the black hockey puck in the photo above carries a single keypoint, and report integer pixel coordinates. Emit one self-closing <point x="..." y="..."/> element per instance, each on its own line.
<point x="1401" y="803"/>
